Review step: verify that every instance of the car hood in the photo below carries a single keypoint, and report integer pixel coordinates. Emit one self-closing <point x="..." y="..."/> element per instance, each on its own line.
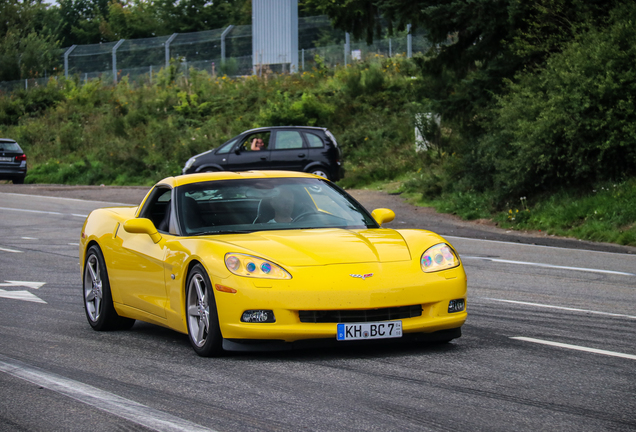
<point x="323" y="246"/>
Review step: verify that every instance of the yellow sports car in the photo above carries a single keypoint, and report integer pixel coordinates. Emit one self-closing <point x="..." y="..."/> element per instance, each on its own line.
<point x="267" y="260"/>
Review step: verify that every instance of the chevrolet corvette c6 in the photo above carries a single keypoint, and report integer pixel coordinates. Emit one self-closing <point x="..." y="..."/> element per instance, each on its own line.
<point x="267" y="260"/>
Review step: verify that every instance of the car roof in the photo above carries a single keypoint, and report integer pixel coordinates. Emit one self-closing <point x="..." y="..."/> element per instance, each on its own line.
<point x="227" y="175"/>
<point x="283" y="127"/>
<point x="7" y="140"/>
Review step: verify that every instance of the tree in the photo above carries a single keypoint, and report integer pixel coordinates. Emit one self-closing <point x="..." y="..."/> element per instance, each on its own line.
<point x="479" y="43"/>
<point x="82" y="21"/>
<point x="28" y="48"/>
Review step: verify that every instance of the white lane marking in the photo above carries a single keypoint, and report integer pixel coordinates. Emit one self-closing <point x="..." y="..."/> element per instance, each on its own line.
<point x="66" y="199"/>
<point x="10" y="250"/>
<point x="31" y="211"/>
<point x="575" y="347"/>
<point x="41" y="211"/>
<point x="532" y="245"/>
<point x="100" y="399"/>
<point x="591" y="270"/>
<point x="560" y="307"/>
<point x="28" y="238"/>
<point x="28" y="284"/>
<point x="21" y="295"/>
<point x="74" y="244"/>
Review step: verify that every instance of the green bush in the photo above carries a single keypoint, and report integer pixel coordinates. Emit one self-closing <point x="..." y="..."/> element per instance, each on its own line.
<point x="573" y="123"/>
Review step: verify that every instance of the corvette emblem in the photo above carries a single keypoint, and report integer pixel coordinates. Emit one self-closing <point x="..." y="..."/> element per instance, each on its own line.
<point x="361" y="276"/>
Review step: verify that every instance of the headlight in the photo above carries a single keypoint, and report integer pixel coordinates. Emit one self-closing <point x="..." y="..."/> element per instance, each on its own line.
<point x="189" y="163"/>
<point x="438" y="257"/>
<point x="251" y="266"/>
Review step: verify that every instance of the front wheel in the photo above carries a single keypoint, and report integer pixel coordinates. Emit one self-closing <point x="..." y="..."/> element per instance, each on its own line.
<point x="203" y="321"/>
<point x="98" y="302"/>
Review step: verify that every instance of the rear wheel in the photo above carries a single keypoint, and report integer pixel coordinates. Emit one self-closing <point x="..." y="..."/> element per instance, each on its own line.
<point x="98" y="302"/>
<point x="18" y="180"/>
<point x="319" y="172"/>
<point x="202" y="318"/>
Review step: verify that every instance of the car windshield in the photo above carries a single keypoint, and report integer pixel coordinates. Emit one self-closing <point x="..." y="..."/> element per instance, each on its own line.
<point x="248" y="205"/>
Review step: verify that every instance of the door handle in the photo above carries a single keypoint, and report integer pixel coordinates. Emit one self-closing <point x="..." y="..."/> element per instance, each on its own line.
<point x="263" y="157"/>
<point x="301" y="154"/>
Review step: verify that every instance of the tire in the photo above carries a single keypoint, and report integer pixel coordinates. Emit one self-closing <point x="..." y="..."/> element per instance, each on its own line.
<point x="98" y="302"/>
<point x="201" y="315"/>
<point x="319" y="171"/>
<point x="18" y="180"/>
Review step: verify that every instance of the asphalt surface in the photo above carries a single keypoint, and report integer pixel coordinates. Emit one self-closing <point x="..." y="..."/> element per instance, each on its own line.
<point x="550" y="343"/>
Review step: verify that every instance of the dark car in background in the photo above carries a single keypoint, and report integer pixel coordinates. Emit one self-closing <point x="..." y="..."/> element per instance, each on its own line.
<point x="291" y="148"/>
<point x="13" y="165"/>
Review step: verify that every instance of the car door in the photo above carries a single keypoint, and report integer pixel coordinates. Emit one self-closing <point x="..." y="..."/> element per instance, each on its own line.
<point x="137" y="266"/>
<point x="243" y="158"/>
<point x="288" y="151"/>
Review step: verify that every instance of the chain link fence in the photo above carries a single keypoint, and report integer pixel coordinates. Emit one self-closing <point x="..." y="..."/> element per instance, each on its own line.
<point x="225" y="51"/>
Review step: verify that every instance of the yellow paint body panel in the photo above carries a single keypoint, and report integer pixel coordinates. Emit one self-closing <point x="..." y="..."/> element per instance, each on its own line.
<point x="148" y="279"/>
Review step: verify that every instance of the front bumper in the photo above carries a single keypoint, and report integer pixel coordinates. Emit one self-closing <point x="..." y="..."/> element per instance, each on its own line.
<point x="331" y="288"/>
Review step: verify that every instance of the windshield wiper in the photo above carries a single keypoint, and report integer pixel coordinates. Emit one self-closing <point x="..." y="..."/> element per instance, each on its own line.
<point x="221" y="232"/>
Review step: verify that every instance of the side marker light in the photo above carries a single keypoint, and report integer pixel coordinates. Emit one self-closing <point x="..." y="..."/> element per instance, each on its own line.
<point x="223" y="288"/>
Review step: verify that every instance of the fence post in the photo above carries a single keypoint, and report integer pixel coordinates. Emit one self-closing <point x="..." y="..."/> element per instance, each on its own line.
<point x="347" y="47"/>
<point x="225" y="33"/>
<point x="66" y="54"/>
<point x="390" y="53"/>
<point x="150" y="74"/>
<point x="117" y="45"/>
<point x="409" y="42"/>
<point x="170" y="39"/>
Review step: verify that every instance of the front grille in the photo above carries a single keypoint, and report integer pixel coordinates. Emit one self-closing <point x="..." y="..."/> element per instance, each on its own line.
<point x="369" y="315"/>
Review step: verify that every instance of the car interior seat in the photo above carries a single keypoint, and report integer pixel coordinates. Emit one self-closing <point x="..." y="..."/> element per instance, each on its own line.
<point x="164" y="225"/>
<point x="265" y="211"/>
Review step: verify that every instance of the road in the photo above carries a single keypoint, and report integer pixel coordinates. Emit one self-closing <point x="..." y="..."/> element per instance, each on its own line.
<point x="550" y="344"/>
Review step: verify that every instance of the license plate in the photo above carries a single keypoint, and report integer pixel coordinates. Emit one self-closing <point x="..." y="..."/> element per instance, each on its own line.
<point x="363" y="331"/>
<point x="6" y="159"/>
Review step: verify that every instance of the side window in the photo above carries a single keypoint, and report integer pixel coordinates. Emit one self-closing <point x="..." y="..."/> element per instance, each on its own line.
<point x="288" y="140"/>
<point x="256" y="142"/>
<point x="157" y="208"/>
<point x="226" y="148"/>
<point x="313" y="140"/>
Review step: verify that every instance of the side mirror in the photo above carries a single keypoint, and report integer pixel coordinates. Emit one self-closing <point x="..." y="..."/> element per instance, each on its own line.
<point x="237" y="150"/>
<point x="142" y="226"/>
<point x="383" y="215"/>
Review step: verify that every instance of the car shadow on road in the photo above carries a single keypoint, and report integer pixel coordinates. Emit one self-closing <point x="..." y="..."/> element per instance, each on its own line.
<point x="160" y="338"/>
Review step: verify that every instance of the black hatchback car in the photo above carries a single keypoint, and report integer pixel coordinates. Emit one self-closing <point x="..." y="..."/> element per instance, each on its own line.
<point x="13" y="165"/>
<point x="292" y="148"/>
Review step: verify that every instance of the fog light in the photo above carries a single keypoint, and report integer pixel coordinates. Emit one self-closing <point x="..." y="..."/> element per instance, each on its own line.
<point x="456" y="305"/>
<point x="258" y="316"/>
